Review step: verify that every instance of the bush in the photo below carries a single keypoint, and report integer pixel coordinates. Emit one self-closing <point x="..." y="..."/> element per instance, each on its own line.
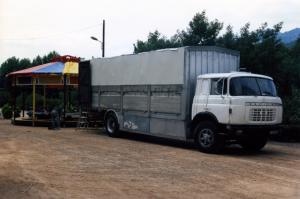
<point x="4" y="97"/>
<point x="7" y="111"/>
<point x="291" y="108"/>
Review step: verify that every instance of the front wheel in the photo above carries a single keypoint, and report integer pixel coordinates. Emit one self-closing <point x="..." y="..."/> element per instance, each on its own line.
<point x="207" y="138"/>
<point x="112" y="125"/>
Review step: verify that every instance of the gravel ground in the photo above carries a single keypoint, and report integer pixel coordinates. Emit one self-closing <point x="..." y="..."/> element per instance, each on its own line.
<point x="39" y="163"/>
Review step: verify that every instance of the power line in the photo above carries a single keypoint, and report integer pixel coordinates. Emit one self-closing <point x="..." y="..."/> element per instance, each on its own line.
<point x="52" y="35"/>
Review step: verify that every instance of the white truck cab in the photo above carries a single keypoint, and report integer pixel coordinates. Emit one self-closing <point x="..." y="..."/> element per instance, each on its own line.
<point x="244" y="107"/>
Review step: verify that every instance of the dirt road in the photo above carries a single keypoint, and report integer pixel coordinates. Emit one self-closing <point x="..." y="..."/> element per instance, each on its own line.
<point x="38" y="163"/>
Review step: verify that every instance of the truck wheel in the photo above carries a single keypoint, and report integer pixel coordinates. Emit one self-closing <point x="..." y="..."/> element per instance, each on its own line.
<point x="207" y="138"/>
<point x="254" y="142"/>
<point x="112" y="125"/>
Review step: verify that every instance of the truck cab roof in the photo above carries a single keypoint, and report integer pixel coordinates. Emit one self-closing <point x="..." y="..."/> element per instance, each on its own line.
<point x="231" y="74"/>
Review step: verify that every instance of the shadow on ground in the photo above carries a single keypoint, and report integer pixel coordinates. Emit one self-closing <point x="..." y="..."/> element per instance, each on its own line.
<point x="230" y="150"/>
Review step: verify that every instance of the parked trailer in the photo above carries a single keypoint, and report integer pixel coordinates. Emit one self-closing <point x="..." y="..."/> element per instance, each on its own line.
<point x="152" y="93"/>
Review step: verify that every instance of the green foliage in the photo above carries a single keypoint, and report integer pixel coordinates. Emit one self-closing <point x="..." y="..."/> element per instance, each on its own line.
<point x="7" y="111"/>
<point x="201" y="31"/>
<point x="155" y="41"/>
<point x="48" y="58"/>
<point x="292" y="108"/>
<point x="37" y="61"/>
<point x="228" y="39"/>
<point x="4" y="97"/>
<point x="295" y="51"/>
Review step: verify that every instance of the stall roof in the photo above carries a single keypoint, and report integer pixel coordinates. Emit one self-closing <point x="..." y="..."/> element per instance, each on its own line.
<point x="57" y="68"/>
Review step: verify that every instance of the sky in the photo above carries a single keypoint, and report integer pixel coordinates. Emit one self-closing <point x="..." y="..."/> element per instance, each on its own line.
<point x="35" y="27"/>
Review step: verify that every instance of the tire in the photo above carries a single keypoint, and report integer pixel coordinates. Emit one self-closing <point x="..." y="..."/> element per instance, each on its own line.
<point x="207" y="138"/>
<point x="254" y="142"/>
<point x="112" y="125"/>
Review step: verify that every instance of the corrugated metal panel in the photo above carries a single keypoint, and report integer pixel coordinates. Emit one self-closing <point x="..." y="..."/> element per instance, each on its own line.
<point x="166" y="99"/>
<point x="135" y="98"/>
<point x="95" y="99"/>
<point x="167" y="128"/>
<point x="110" y="100"/>
<point x="211" y="61"/>
<point x="141" y="69"/>
<point x="110" y="97"/>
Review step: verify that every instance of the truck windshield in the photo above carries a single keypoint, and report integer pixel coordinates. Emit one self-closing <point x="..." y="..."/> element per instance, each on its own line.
<point x="252" y="86"/>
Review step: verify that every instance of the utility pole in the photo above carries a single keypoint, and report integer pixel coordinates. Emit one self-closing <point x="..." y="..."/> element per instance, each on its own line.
<point x="103" y="38"/>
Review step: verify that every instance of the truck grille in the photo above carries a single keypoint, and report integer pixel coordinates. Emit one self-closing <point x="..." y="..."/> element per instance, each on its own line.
<point x="262" y="114"/>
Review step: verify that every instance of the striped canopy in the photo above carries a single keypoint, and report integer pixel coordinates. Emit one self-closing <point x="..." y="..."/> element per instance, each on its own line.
<point x="55" y="68"/>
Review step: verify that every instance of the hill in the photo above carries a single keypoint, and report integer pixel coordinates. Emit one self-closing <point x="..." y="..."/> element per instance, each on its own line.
<point x="290" y="37"/>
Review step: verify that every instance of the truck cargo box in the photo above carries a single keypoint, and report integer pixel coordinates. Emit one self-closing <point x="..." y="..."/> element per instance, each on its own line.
<point x="152" y="92"/>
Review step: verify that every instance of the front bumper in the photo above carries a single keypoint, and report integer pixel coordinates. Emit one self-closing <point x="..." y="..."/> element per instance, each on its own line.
<point x="240" y="130"/>
<point x="272" y="127"/>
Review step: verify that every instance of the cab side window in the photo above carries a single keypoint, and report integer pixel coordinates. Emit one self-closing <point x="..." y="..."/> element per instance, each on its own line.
<point x="216" y="86"/>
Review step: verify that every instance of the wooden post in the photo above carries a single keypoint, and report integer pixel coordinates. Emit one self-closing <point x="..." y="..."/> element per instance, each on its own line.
<point x="14" y="99"/>
<point x="23" y="104"/>
<point x="33" y="101"/>
<point x="65" y="99"/>
<point x="69" y="97"/>
<point x="44" y="101"/>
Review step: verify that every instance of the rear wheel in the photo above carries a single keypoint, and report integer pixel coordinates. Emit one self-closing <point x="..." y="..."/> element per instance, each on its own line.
<point x="207" y="138"/>
<point x="254" y="142"/>
<point x="112" y="125"/>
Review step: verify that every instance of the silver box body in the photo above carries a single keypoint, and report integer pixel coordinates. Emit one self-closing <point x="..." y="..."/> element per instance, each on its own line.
<point x="152" y="92"/>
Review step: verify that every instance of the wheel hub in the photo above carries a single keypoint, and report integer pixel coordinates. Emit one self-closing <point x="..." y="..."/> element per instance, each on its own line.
<point x="206" y="137"/>
<point x="111" y="125"/>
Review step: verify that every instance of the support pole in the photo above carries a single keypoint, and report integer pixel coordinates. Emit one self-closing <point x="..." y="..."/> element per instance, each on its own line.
<point x="65" y="97"/>
<point x="44" y="100"/>
<point x="103" y="39"/>
<point x="23" y="104"/>
<point x="14" y="99"/>
<point x="33" y="101"/>
<point x="69" y="97"/>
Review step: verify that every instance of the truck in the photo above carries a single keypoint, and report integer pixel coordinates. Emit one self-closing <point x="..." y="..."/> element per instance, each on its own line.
<point x="188" y="93"/>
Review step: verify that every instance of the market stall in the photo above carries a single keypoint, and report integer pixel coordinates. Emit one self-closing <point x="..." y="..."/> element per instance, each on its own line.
<point x="60" y="74"/>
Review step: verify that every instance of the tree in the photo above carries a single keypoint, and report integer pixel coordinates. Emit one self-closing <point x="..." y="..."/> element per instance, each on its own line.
<point x="37" y="61"/>
<point x="246" y="45"/>
<point x="24" y="63"/>
<point x="48" y="58"/>
<point x="201" y="31"/>
<point x="228" y="40"/>
<point x="155" y="41"/>
<point x="8" y="66"/>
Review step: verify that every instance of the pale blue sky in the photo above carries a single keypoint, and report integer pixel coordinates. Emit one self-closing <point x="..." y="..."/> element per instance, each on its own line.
<point x="32" y="27"/>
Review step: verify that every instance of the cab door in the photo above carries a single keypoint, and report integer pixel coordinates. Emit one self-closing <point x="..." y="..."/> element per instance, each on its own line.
<point x="218" y="101"/>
